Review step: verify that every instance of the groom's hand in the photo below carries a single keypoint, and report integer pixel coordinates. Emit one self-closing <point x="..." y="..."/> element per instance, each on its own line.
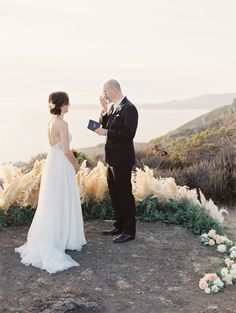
<point x="101" y="131"/>
<point x="103" y="103"/>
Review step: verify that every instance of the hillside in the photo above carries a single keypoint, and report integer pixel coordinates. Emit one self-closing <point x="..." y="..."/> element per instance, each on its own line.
<point x="99" y="149"/>
<point x="221" y="117"/>
<point x="204" y="102"/>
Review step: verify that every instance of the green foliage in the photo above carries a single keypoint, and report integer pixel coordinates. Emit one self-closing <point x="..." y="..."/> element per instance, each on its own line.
<point x="97" y="209"/>
<point x="180" y="212"/>
<point x="2" y="219"/>
<point x="15" y="216"/>
<point x="19" y="216"/>
<point x="81" y="156"/>
<point x="188" y="150"/>
<point x="160" y="140"/>
<point x="206" y="160"/>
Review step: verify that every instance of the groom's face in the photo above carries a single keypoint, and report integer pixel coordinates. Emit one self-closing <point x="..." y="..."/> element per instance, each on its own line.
<point x="107" y="92"/>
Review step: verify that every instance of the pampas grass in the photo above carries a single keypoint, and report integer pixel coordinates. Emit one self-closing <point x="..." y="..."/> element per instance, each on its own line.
<point x="93" y="184"/>
<point x="9" y="172"/>
<point x="22" y="189"/>
<point x="164" y="189"/>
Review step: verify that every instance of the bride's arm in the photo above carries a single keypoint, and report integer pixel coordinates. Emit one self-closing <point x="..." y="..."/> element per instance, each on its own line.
<point x="49" y="138"/>
<point x="64" y="136"/>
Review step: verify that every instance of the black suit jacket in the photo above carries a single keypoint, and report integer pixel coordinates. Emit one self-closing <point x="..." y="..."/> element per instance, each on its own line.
<point x="121" y="125"/>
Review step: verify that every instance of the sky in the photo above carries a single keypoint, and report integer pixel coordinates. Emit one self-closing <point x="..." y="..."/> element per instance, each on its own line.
<point x="158" y="50"/>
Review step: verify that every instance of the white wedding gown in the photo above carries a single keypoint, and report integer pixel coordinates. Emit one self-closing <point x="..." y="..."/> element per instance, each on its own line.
<point x="58" y="223"/>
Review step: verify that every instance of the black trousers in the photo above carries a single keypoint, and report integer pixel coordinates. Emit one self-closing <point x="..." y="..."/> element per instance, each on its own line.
<point x="122" y="199"/>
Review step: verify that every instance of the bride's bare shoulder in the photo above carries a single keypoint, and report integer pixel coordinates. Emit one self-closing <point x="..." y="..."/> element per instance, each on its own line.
<point x="62" y="124"/>
<point x="57" y="123"/>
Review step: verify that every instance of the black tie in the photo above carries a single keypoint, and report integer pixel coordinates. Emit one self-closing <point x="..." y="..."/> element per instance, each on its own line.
<point x="111" y="111"/>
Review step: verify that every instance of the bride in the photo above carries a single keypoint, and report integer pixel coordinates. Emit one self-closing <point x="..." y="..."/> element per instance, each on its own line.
<point x="58" y="224"/>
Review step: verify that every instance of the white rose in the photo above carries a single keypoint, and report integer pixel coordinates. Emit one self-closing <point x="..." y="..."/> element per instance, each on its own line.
<point x="214" y="288"/>
<point x="227" y="261"/>
<point x="207" y="290"/>
<point x="233" y="273"/>
<point x="204" y="235"/>
<point x="233" y="267"/>
<point x="233" y="248"/>
<point x="224" y="271"/>
<point x="222" y="248"/>
<point x="212" y="233"/>
<point x="233" y="254"/>
<point x="228" y="279"/>
<point x="224" y="238"/>
<point x="219" y="283"/>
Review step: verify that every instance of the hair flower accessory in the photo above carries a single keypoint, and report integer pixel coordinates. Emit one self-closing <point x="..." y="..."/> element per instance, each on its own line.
<point x="51" y="105"/>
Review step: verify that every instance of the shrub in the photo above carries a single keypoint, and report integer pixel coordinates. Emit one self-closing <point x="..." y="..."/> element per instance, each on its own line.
<point x="180" y="212"/>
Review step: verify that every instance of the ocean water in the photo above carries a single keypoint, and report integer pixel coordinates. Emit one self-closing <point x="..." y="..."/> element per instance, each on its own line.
<point x="23" y="130"/>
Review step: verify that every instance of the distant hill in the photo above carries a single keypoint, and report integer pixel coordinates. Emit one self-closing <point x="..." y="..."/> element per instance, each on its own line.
<point x="224" y="116"/>
<point x="99" y="149"/>
<point x="204" y="102"/>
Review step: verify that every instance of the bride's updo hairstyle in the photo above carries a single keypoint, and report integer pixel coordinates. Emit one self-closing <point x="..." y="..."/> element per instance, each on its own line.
<point x="56" y="100"/>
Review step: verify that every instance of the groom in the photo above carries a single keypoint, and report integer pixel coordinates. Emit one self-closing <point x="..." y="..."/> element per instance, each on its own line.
<point x="119" y="124"/>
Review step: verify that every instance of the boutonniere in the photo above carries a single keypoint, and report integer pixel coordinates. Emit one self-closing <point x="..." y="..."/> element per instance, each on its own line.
<point x="119" y="107"/>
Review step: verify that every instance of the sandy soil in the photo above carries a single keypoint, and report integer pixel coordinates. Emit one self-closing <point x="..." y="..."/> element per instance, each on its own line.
<point x="157" y="272"/>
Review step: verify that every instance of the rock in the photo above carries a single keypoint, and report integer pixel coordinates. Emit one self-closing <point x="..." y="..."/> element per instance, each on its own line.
<point x="69" y="301"/>
<point x="211" y="309"/>
<point x="67" y="306"/>
<point x="123" y="284"/>
<point x="87" y="273"/>
<point x="98" y="289"/>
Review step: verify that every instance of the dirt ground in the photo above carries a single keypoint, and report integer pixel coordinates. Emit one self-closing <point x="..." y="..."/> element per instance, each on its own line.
<point x="156" y="273"/>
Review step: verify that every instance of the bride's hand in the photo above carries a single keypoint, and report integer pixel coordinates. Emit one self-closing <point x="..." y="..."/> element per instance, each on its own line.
<point x="103" y="103"/>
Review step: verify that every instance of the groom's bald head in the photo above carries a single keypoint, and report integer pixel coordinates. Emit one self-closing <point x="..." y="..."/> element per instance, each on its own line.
<point x="112" y="90"/>
<point x="113" y="84"/>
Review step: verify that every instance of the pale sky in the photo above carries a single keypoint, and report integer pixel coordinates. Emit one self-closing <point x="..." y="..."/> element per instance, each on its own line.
<point x="159" y="49"/>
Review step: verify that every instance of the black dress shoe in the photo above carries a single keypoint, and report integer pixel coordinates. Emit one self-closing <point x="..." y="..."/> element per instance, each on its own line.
<point x="123" y="237"/>
<point x="112" y="232"/>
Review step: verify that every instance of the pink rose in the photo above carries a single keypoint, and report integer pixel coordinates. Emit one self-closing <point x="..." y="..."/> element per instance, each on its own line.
<point x="211" y="242"/>
<point x="203" y="284"/>
<point x="213" y="277"/>
<point x="219" y="241"/>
